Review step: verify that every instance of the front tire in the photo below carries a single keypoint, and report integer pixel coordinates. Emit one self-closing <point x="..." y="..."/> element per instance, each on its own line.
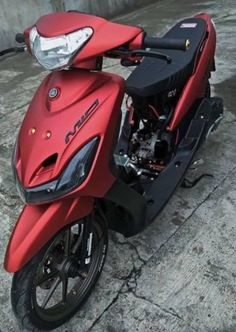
<point x="52" y="287"/>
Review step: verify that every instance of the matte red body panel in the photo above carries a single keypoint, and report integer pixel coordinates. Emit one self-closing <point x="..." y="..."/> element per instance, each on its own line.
<point x="196" y="85"/>
<point x="38" y="224"/>
<point x="78" y="90"/>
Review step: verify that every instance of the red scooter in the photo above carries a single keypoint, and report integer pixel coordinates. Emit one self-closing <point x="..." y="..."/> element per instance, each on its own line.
<point x="79" y="171"/>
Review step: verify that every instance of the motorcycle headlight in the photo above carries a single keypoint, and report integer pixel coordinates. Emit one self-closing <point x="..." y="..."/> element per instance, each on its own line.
<point x="74" y="174"/>
<point x="56" y="52"/>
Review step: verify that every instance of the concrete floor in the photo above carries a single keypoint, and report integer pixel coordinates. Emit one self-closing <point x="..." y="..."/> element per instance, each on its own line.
<point x="179" y="275"/>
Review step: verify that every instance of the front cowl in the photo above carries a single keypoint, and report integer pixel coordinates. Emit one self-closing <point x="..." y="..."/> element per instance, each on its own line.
<point x="69" y="109"/>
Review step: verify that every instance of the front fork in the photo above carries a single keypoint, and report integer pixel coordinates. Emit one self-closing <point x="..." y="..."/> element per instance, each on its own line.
<point x="87" y="240"/>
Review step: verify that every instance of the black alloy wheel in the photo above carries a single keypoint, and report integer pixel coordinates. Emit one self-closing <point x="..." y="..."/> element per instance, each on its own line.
<point x="52" y="287"/>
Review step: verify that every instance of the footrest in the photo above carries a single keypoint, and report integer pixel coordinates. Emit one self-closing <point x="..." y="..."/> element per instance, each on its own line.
<point x="171" y="177"/>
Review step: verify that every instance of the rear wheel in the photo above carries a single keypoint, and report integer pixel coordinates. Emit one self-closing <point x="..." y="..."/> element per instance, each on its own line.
<point x="52" y="287"/>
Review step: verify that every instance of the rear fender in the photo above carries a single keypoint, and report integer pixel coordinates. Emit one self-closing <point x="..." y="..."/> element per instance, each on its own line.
<point x="37" y="224"/>
<point x="196" y="85"/>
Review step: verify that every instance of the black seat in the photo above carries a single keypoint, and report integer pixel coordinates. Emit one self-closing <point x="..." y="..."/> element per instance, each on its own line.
<point x="154" y="76"/>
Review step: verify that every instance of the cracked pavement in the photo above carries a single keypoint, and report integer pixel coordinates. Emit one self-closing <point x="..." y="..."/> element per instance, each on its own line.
<point x="178" y="275"/>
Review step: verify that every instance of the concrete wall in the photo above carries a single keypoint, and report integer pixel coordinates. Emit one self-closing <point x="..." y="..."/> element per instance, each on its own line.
<point x="16" y="15"/>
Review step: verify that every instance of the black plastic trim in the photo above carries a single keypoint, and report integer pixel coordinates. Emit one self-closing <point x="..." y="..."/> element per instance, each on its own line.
<point x="127" y="214"/>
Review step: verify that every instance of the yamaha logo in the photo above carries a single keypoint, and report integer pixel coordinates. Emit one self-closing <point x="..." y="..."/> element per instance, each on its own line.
<point x="53" y="92"/>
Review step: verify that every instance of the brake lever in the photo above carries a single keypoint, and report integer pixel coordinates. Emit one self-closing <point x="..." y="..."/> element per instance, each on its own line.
<point x="152" y="54"/>
<point x="141" y="53"/>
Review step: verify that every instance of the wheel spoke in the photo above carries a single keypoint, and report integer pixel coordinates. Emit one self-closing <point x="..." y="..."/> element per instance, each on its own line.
<point x="47" y="277"/>
<point x="64" y="289"/>
<point x="50" y="292"/>
<point x="67" y="242"/>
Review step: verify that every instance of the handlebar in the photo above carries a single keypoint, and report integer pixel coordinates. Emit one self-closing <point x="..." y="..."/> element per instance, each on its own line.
<point x="12" y="50"/>
<point x="166" y="43"/>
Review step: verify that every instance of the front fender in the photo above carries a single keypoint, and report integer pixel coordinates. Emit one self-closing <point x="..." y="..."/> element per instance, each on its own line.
<point x="37" y="224"/>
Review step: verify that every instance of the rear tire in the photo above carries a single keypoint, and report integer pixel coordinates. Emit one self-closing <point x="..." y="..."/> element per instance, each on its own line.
<point x="30" y="280"/>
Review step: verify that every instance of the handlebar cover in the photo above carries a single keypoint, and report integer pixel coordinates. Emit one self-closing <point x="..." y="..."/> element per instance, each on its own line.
<point x="166" y="43"/>
<point x="20" y="38"/>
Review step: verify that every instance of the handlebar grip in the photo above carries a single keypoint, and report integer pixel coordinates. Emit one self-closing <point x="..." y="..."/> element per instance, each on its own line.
<point x="166" y="43"/>
<point x="20" y="38"/>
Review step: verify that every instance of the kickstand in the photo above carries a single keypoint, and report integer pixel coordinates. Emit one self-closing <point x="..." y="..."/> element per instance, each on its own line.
<point x="190" y="184"/>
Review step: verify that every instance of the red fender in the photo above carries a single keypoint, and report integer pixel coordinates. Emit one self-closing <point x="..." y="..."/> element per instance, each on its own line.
<point x="37" y="224"/>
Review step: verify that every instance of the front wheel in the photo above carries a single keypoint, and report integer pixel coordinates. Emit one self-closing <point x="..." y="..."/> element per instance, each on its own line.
<point x="52" y="287"/>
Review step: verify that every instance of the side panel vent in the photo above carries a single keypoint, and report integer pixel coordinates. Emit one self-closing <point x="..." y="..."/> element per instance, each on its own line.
<point x="50" y="160"/>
